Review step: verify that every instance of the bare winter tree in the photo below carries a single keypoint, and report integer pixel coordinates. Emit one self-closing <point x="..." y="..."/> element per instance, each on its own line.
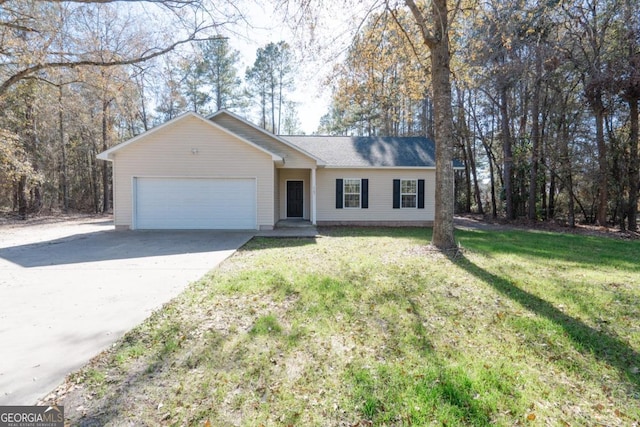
<point x="434" y="27"/>
<point x="88" y="47"/>
<point x="433" y="24"/>
<point x="27" y="33"/>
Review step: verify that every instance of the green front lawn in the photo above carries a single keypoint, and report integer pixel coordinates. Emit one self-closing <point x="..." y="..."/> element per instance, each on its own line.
<point x="368" y="327"/>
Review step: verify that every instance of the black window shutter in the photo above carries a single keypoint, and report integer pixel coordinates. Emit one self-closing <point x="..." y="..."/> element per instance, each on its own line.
<point x="338" y="193"/>
<point x="396" y="194"/>
<point x="364" y="199"/>
<point x="421" y="194"/>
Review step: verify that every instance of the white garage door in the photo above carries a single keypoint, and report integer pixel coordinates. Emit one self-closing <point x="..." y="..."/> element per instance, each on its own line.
<point x="194" y="203"/>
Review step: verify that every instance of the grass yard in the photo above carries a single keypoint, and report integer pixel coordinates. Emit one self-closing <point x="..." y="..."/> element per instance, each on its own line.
<point x="367" y="327"/>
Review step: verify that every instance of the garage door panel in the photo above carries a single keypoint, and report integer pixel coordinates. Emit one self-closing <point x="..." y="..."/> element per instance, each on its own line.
<point x="195" y="203"/>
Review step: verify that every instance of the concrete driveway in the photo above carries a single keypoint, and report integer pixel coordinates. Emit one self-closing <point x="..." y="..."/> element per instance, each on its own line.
<point x="68" y="291"/>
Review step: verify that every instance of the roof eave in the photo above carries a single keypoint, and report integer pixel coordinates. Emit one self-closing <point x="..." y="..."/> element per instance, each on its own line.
<point x="318" y="160"/>
<point x="108" y="155"/>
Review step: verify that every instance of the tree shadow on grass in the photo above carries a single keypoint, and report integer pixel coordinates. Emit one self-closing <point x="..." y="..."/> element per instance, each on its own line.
<point x="550" y="246"/>
<point x="585" y="339"/>
<point x="427" y="390"/>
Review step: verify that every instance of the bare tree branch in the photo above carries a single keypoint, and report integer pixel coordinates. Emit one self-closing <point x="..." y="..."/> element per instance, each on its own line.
<point x="18" y="27"/>
<point x="148" y="55"/>
<point x="407" y="37"/>
<point x="421" y="21"/>
<point x="27" y="64"/>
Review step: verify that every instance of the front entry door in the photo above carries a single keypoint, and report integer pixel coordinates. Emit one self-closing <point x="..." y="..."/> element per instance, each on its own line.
<point x="294" y="199"/>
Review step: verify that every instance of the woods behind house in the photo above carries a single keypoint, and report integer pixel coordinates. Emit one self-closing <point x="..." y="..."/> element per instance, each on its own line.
<point x="545" y="96"/>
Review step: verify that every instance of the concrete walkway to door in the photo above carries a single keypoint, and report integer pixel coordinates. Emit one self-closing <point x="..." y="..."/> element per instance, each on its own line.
<point x="70" y="290"/>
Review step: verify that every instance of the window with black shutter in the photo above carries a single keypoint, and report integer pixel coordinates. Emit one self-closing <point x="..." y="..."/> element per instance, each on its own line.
<point x="408" y="193"/>
<point x="352" y="193"/>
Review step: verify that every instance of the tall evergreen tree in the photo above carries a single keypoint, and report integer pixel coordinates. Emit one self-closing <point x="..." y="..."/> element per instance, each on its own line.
<point x="381" y="86"/>
<point x="218" y="65"/>
<point x="193" y="83"/>
<point x="269" y="79"/>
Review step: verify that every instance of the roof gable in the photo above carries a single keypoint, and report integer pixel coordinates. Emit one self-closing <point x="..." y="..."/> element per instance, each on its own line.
<point x="268" y="140"/>
<point x="108" y="154"/>
<point x="361" y="151"/>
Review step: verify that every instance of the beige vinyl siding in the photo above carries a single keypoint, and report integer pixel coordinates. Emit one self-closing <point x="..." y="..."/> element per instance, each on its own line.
<point x="380" y="196"/>
<point x="191" y="148"/>
<point x="294" y="175"/>
<point x="292" y="157"/>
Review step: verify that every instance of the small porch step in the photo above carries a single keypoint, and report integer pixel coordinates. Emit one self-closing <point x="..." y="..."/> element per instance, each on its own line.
<point x="291" y="228"/>
<point x="294" y="223"/>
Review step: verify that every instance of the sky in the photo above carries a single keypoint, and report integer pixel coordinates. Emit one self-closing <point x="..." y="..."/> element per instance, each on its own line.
<point x="332" y="36"/>
<point x="312" y="101"/>
<point x="335" y="23"/>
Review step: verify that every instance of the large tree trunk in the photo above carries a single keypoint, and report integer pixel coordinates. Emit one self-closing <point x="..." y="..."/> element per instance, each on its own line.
<point x="273" y="104"/>
<point x="535" y="139"/>
<point x="63" y="150"/>
<point x="218" y="87"/>
<point x="279" y="105"/>
<point x="633" y="96"/>
<point x="507" y="154"/>
<point x="634" y="166"/>
<point x="93" y="167"/>
<point x="476" y="185"/>
<point x="443" y="234"/>
<point x="106" y="193"/>
<point x="437" y="40"/>
<point x="143" y="104"/>
<point x="471" y="170"/>
<point x="427" y="116"/>
<point x="565" y="165"/>
<point x="603" y="170"/>
<point x="21" y="197"/>
<point x="32" y="146"/>
<point x="467" y="179"/>
<point x="551" y="204"/>
<point x="466" y="148"/>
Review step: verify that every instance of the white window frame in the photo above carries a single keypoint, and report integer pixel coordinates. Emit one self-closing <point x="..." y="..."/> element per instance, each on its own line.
<point x="414" y="194"/>
<point x="344" y="193"/>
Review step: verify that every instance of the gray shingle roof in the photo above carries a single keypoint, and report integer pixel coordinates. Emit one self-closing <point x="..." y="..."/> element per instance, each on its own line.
<point x="362" y="151"/>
